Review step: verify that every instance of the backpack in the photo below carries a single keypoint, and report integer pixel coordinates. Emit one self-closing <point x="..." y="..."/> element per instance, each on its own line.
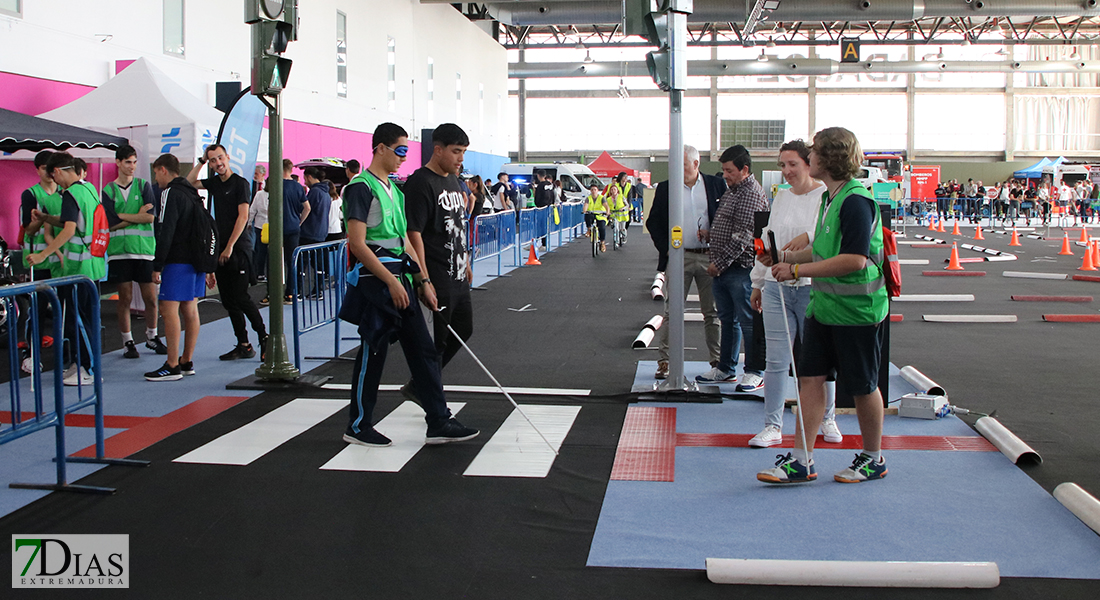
<point x="204" y="236"/>
<point x="101" y="232"/>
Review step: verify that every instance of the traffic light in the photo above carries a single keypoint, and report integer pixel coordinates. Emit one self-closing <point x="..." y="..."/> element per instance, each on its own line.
<point x="274" y="25"/>
<point x="659" y="62"/>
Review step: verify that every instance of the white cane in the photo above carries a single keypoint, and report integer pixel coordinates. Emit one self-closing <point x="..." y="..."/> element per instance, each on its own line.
<point x="790" y="344"/>
<point x="31" y="343"/>
<point x="439" y="314"/>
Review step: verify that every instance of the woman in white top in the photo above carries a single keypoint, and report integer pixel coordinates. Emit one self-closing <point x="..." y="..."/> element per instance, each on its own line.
<point x="257" y="218"/>
<point x="793" y="218"/>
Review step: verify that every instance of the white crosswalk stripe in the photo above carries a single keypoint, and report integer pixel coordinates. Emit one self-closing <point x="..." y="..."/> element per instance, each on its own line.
<point x="514" y="450"/>
<point x="405" y="426"/>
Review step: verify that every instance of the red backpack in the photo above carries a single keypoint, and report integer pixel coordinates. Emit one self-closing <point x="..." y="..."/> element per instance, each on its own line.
<point x="101" y="232"/>
<point x="891" y="271"/>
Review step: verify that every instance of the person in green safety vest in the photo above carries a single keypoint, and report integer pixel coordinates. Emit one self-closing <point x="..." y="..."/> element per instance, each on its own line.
<point x="45" y="197"/>
<point x="128" y="204"/>
<point x="74" y="240"/>
<point x="848" y="304"/>
<point x="380" y="299"/>
<point x="595" y="215"/>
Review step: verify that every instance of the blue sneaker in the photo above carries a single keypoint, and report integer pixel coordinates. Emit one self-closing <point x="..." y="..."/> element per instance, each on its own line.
<point x="716" y="375"/>
<point x="864" y="468"/>
<point x="788" y="470"/>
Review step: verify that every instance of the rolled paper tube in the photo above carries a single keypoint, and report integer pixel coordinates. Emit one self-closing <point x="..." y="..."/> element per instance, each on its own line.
<point x="922" y="382"/>
<point x="854" y="573"/>
<point x="1006" y="441"/>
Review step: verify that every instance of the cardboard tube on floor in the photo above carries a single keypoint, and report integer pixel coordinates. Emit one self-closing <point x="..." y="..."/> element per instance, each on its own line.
<point x="656" y="322"/>
<point x="1079" y="502"/>
<point x="922" y="382"/>
<point x="644" y="339"/>
<point x="854" y="573"/>
<point x="657" y="291"/>
<point x="1006" y="441"/>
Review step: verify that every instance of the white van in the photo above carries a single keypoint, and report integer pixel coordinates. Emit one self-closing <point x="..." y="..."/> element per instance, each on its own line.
<point x="575" y="178"/>
<point x="871" y="175"/>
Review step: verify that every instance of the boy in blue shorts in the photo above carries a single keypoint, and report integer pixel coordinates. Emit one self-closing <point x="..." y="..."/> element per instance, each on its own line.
<point x="180" y="284"/>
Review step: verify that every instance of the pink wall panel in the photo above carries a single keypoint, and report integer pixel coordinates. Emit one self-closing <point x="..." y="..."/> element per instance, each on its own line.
<point x="15" y="176"/>
<point x="302" y="141"/>
<point x="33" y="96"/>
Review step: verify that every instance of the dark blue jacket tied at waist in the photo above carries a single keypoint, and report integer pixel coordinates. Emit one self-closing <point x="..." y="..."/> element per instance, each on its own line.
<point x="369" y="305"/>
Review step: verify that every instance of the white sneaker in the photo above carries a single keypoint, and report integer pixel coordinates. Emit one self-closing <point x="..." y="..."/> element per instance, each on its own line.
<point x="69" y="373"/>
<point x="771" y="436"/>
<point x="750" y="382"/>
<point x="716" y="375"/>
<point x="85" y="377"/>
<point x="831" y="431"/>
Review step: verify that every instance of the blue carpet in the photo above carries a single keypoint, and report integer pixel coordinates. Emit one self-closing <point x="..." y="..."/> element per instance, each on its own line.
<point x="933" y="506"/>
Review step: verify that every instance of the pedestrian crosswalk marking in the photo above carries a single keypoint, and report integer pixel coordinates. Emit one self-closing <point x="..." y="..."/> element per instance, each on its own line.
<point x="517" y="450"/>
<point x="405" y="426"/>
<point x="477" y="389"/>
<point x="244" y="445"/>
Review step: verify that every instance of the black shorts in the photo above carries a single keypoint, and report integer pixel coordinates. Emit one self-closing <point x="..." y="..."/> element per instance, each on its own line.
<point x="128" y="269"/>
<point x="853" y="350"/>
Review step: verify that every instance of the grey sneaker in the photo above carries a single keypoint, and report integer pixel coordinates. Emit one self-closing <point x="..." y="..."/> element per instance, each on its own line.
<point x="715" y="375"/>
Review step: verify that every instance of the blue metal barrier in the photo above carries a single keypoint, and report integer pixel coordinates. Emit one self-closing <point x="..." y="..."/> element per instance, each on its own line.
<point x="317" y="292"/>
<point x="493" y="235"/>
<point x="27" y="296"/>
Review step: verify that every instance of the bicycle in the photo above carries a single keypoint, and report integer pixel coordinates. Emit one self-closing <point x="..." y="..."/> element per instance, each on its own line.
<point x="594" y="233"/>
<point x="618" y="236"/>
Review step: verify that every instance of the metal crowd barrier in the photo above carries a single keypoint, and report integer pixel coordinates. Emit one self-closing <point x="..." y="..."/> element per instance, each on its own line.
<point x="492" y="235"/>
<point x="28" y="296"/>
<point x="317" y="292"/>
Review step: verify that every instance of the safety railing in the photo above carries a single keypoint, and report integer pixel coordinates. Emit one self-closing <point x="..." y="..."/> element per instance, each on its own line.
<point x="87" y="347"/>
<point x="492" y="235"/>
<point x="317" y="292"/>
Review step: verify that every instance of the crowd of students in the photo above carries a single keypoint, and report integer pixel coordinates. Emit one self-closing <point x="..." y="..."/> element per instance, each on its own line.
<point x="1018" y="200"/>
<point x="821" y="305"/>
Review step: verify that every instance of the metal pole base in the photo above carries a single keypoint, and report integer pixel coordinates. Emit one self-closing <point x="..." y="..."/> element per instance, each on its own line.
<point x="63" y="487"/>
<point x="668" y="385"/>
<point x="118" y="462"/>
<point x="277" y="367"/>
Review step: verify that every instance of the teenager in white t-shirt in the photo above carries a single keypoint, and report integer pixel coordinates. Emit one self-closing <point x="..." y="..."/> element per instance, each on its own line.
<point x="793" y="218"/>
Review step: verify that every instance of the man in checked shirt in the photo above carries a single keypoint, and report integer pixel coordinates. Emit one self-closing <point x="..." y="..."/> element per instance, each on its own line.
<point x="731" y="261"/>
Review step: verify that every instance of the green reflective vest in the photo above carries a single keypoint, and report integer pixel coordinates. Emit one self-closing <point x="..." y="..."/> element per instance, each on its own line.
<point x="135" y="241"/>
<point x="77" y="251"/>
<point x="597" y="204"/>
<point x="390" y="232"/>
<point x="49" y="204"/>
<point x="858" y="298"/>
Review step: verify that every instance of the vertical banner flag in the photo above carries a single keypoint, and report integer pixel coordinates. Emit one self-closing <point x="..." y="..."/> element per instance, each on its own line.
<point x="240" y="133"/>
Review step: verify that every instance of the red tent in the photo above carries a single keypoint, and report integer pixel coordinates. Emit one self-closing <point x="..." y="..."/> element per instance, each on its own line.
<point x="607" y="167"/>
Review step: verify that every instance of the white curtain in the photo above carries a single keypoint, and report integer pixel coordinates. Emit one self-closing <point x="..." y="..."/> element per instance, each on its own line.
<point x="1057" y="124"/>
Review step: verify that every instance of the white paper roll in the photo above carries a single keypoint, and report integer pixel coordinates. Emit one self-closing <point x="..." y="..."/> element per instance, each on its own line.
<point x="922" y="382"/>
<point x="854" y="573"/>
<point x="1006" y="441"/>
<point x="656" y="322"/>
<point x="1079" y="502"/>
<point x="657" y="290"/>
<point x="644" y="338"/>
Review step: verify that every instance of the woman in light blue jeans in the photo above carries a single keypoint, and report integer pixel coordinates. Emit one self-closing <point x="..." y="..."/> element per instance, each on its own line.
<point x="793" y="215"/>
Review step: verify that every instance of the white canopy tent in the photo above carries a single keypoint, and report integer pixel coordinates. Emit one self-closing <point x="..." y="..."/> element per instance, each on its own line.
<point x="177" y="121"/>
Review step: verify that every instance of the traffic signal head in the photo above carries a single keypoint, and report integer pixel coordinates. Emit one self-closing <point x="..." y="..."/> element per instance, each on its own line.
<point x="269" y="69"/>
<point x="660" y="69"/>
<point x="285" y="11"/>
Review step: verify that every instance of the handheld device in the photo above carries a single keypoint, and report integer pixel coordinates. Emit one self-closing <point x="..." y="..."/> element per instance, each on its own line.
<point x="775" y="251"/>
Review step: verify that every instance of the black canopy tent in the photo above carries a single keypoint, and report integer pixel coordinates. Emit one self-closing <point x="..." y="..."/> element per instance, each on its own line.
<point x="24" y="132"/>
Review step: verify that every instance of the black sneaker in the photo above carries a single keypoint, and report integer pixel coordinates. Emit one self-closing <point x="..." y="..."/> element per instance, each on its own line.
<point x="451" y="431"/>
<point x="165" y="373"/>
<point x="410" y="394"/>
<point x="187" y="368"/>
<point x="131" y="350"/>
<point x="265" y="301"/>
<point x="157" y="346"/>
<point x="239" y="351"/>
<point x="288" y="300"/>
<point x="369" y="438"/>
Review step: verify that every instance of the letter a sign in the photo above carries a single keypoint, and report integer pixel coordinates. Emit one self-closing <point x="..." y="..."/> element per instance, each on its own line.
<point x="849" y="50"/>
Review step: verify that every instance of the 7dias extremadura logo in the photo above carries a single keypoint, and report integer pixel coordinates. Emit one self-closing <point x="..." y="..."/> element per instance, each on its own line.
<point x="70" y="561"/>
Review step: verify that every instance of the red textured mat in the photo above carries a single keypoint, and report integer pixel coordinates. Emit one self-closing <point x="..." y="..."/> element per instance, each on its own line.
<point x="1072" y="318"/>
<point x="851" y="442"/>
<point x="647" y="446"/>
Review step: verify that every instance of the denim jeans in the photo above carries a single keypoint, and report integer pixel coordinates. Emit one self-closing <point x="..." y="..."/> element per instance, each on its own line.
<point x="779" y="348"/>
<point x="732" y="289"/>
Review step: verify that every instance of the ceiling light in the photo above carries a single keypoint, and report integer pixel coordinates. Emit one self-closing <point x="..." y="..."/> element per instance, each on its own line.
<point x="579" y="46"/>
<point x="588" y="57"/>
<point x="966" y="40"/>
<point x="1073" y="55"/>
<point x="771" y="43"/>
<point x="763" y="57"/>
<point x="940" y="55"/>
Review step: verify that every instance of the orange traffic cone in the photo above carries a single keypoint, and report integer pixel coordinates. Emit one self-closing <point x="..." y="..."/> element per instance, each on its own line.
<point x="978" y="233"/>
<point x="532" y="258"/>
<point x="955" y="230"/>
<point x="931" y="223"/>
<point x="953" y="264"/>
<point x="1015" y="238"/>
<point x="941" y="229"/>
<point x="1096" y="254"/>
<point x="1065" y="246"/>
<point x="1084" y="235"/>
<point x="1086" y="263"/>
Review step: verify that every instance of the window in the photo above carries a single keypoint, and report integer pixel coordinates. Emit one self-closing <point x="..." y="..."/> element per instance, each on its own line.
<point x="391" y="74"/>
<point x="173" y="27"/>
<point x="431" y="90"/>
<point x="341" y="54"/>
<point x="11" y="7"/>
<point x="458" y="97"/>
<point x="753" y="134"/>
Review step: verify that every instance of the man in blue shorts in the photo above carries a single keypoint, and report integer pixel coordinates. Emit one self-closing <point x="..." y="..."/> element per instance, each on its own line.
<point x="180" y="284"/>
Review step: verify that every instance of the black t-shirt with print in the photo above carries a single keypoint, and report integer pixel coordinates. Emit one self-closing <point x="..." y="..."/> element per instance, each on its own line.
<point x="435" y="206"/>
<point x="227" y="196"/>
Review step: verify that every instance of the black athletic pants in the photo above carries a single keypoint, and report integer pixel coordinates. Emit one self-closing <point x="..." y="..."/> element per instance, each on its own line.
<point x="458" y="310"/>
<point x="73" y="336"/>
<point x="759" y="342"/>
<point x="233" y="279"/>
